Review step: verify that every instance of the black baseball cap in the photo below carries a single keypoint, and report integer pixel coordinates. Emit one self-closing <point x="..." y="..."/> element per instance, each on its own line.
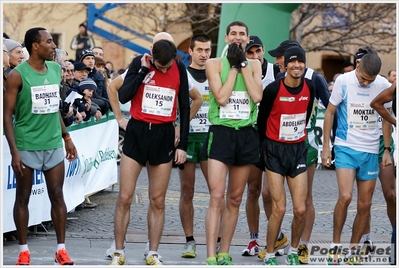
<point x="254" y="41"/>
<point x="279" y="51"/>
<point x="79" y="66"/>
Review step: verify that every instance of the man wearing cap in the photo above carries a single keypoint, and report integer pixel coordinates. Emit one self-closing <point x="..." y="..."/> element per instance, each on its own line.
<point x="14" y="52"/>
<point x="81" y="71"/>
<point x="322" y="93"/>
<point x="356" y="159"/>
<point x="88" y="58"/>
<point x="232" y="144"/>
<point x="284" y="111"/>
<point x="255" y="50"/>
<point x="347" y="66"/>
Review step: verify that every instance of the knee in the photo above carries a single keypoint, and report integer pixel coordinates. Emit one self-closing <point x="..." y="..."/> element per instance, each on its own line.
<point x="266" y="196"/>
<point x="279" y="210"/>
<point x="364" y="206"/>
<point x="157" y="202"/>
<point x="345" y="199"/>
<point x="187" y="194"/>
<point x="125" y="200"/>
<point x="300" y="211"/>
<point x="390" y="196"/>
<point x="253" y="193"/>
<point x="234" y="200"/>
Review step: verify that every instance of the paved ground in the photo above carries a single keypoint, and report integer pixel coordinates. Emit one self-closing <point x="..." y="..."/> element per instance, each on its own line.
<point x="90" y="231"/>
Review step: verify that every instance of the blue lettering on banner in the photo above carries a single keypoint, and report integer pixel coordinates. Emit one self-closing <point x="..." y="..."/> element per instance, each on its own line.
<point x="11" y="179"/>
<point x="73" y="168"/>
<point x="37" y="178"/>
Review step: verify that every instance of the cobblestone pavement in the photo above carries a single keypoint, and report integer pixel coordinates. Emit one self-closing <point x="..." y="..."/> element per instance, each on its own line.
<point x="92" y="229"/>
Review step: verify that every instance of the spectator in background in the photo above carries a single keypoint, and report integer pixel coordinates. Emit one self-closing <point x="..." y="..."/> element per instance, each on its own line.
<point x="82" y="41"/>
<point x="347" y="66"/>
<point x="100" y="67"/>
<point x="60" y="56"/>
<point x="110" y="66"/>
<point x="69" y="68"/>
<point x="86" y="88"/>
<point x="88" y="58"/>
<point x="81" y="71"/>
<point x="391" y="76"/>
<point x="14" y="52"/>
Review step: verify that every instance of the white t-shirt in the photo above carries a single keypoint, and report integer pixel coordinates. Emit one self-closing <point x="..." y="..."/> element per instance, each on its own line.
<point x="357" y="121"/>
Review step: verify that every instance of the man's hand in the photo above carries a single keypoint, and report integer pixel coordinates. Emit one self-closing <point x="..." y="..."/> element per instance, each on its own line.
<point x="326" y="157"/>
<point x="78" y="117"/>
<point x="98" y="115"/>
<point x="241" y="55"/>
<point x="232" y="56"/>
<point x="180" y="157"/>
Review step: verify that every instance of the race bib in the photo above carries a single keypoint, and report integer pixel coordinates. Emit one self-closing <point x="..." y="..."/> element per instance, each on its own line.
<point x="200" y="121"/>
<point x="292" y="126"/>
<point x="158" y="100"/>
<point x="362" y="116"/>
<point x="237" y="107"/>
<point x="45" y="99"/>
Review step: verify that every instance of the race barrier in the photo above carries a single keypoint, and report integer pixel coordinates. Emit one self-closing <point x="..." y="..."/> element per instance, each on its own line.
<point x="93" y="170"/>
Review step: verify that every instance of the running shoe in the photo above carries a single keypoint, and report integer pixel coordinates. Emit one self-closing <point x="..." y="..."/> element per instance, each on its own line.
<point x="252" y="249"/>
<point x="62" y="258"/>
<point x="111" y="250"/>
<point x="353" y="260"/>
<point x="333" y="258"/>
<point x="367" y="248"/>
<point x="211" y="261"/>
<point x="189" y="250"/>
<point x="224" y="259"/>
<point x="270" y="261"/>
<point x="279" y="247"/>
<point x="153" y="259"/>
<point x="292" y="259"/>
<point x="23" y="258"/>
<point x="303" y="254"/>
<point x="117" y="259"/>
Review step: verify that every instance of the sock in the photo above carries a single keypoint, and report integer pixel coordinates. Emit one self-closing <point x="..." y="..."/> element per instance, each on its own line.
<point x="152" y="252"/>
<point x="219" y="238"/>
<point x="190" y="238"/>
<point x="304" y="243"/>
<point x="270" y="255"/>
<point x="23" y="247"/>
<point x="60" y="246"/>
<point x="366" y="237"/>
<point x="120" y="251"/>
<point x="333" y="245"/>
<point x="280" y="235"/>
<point x="293" y="250"/>
<point x="253" y="236"/>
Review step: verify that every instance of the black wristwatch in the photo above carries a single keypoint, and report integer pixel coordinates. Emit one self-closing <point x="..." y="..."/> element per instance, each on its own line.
<point x="244" y="64"/>
<point x="388" y="148"/>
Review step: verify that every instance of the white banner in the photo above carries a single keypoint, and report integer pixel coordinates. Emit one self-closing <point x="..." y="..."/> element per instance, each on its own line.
<point x="94" y="170"/>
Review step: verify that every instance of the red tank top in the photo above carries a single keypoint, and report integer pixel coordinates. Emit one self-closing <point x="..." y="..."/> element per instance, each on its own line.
<point x="155" y="100"/>
<point x="287" y="119"/>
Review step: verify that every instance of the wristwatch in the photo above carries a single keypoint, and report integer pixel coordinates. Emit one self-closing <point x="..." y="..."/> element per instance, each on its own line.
<point x="388" y="148"/>
<point x="244" y="64"/>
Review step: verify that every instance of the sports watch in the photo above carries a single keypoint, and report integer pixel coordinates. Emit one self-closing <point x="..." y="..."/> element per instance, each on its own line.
<point x="244" y="64"/>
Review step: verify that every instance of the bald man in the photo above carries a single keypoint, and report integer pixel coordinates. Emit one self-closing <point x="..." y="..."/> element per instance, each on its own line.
<point x="151" y="122"/>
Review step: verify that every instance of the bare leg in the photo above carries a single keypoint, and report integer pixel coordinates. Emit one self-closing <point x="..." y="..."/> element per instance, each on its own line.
<point x="310" y="212"/>
<point x="55" y="180"/>
<point x="345" y="179"/>
<point x="278" y="195"/>
<point x="21" y="211"/>
<point x="252" y="209"/>
<point x="298" y="187"/>
<point x="217" y="184"/>
<point x="238" y="176"/>
<point x="186" y="208"/>
<point x="158" y="185"/>
<point x="129" y="172"/>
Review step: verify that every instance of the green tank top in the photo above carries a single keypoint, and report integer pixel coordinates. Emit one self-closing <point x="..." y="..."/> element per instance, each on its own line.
<point x="240" y="110"/>
<point x="37" y="120"/>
